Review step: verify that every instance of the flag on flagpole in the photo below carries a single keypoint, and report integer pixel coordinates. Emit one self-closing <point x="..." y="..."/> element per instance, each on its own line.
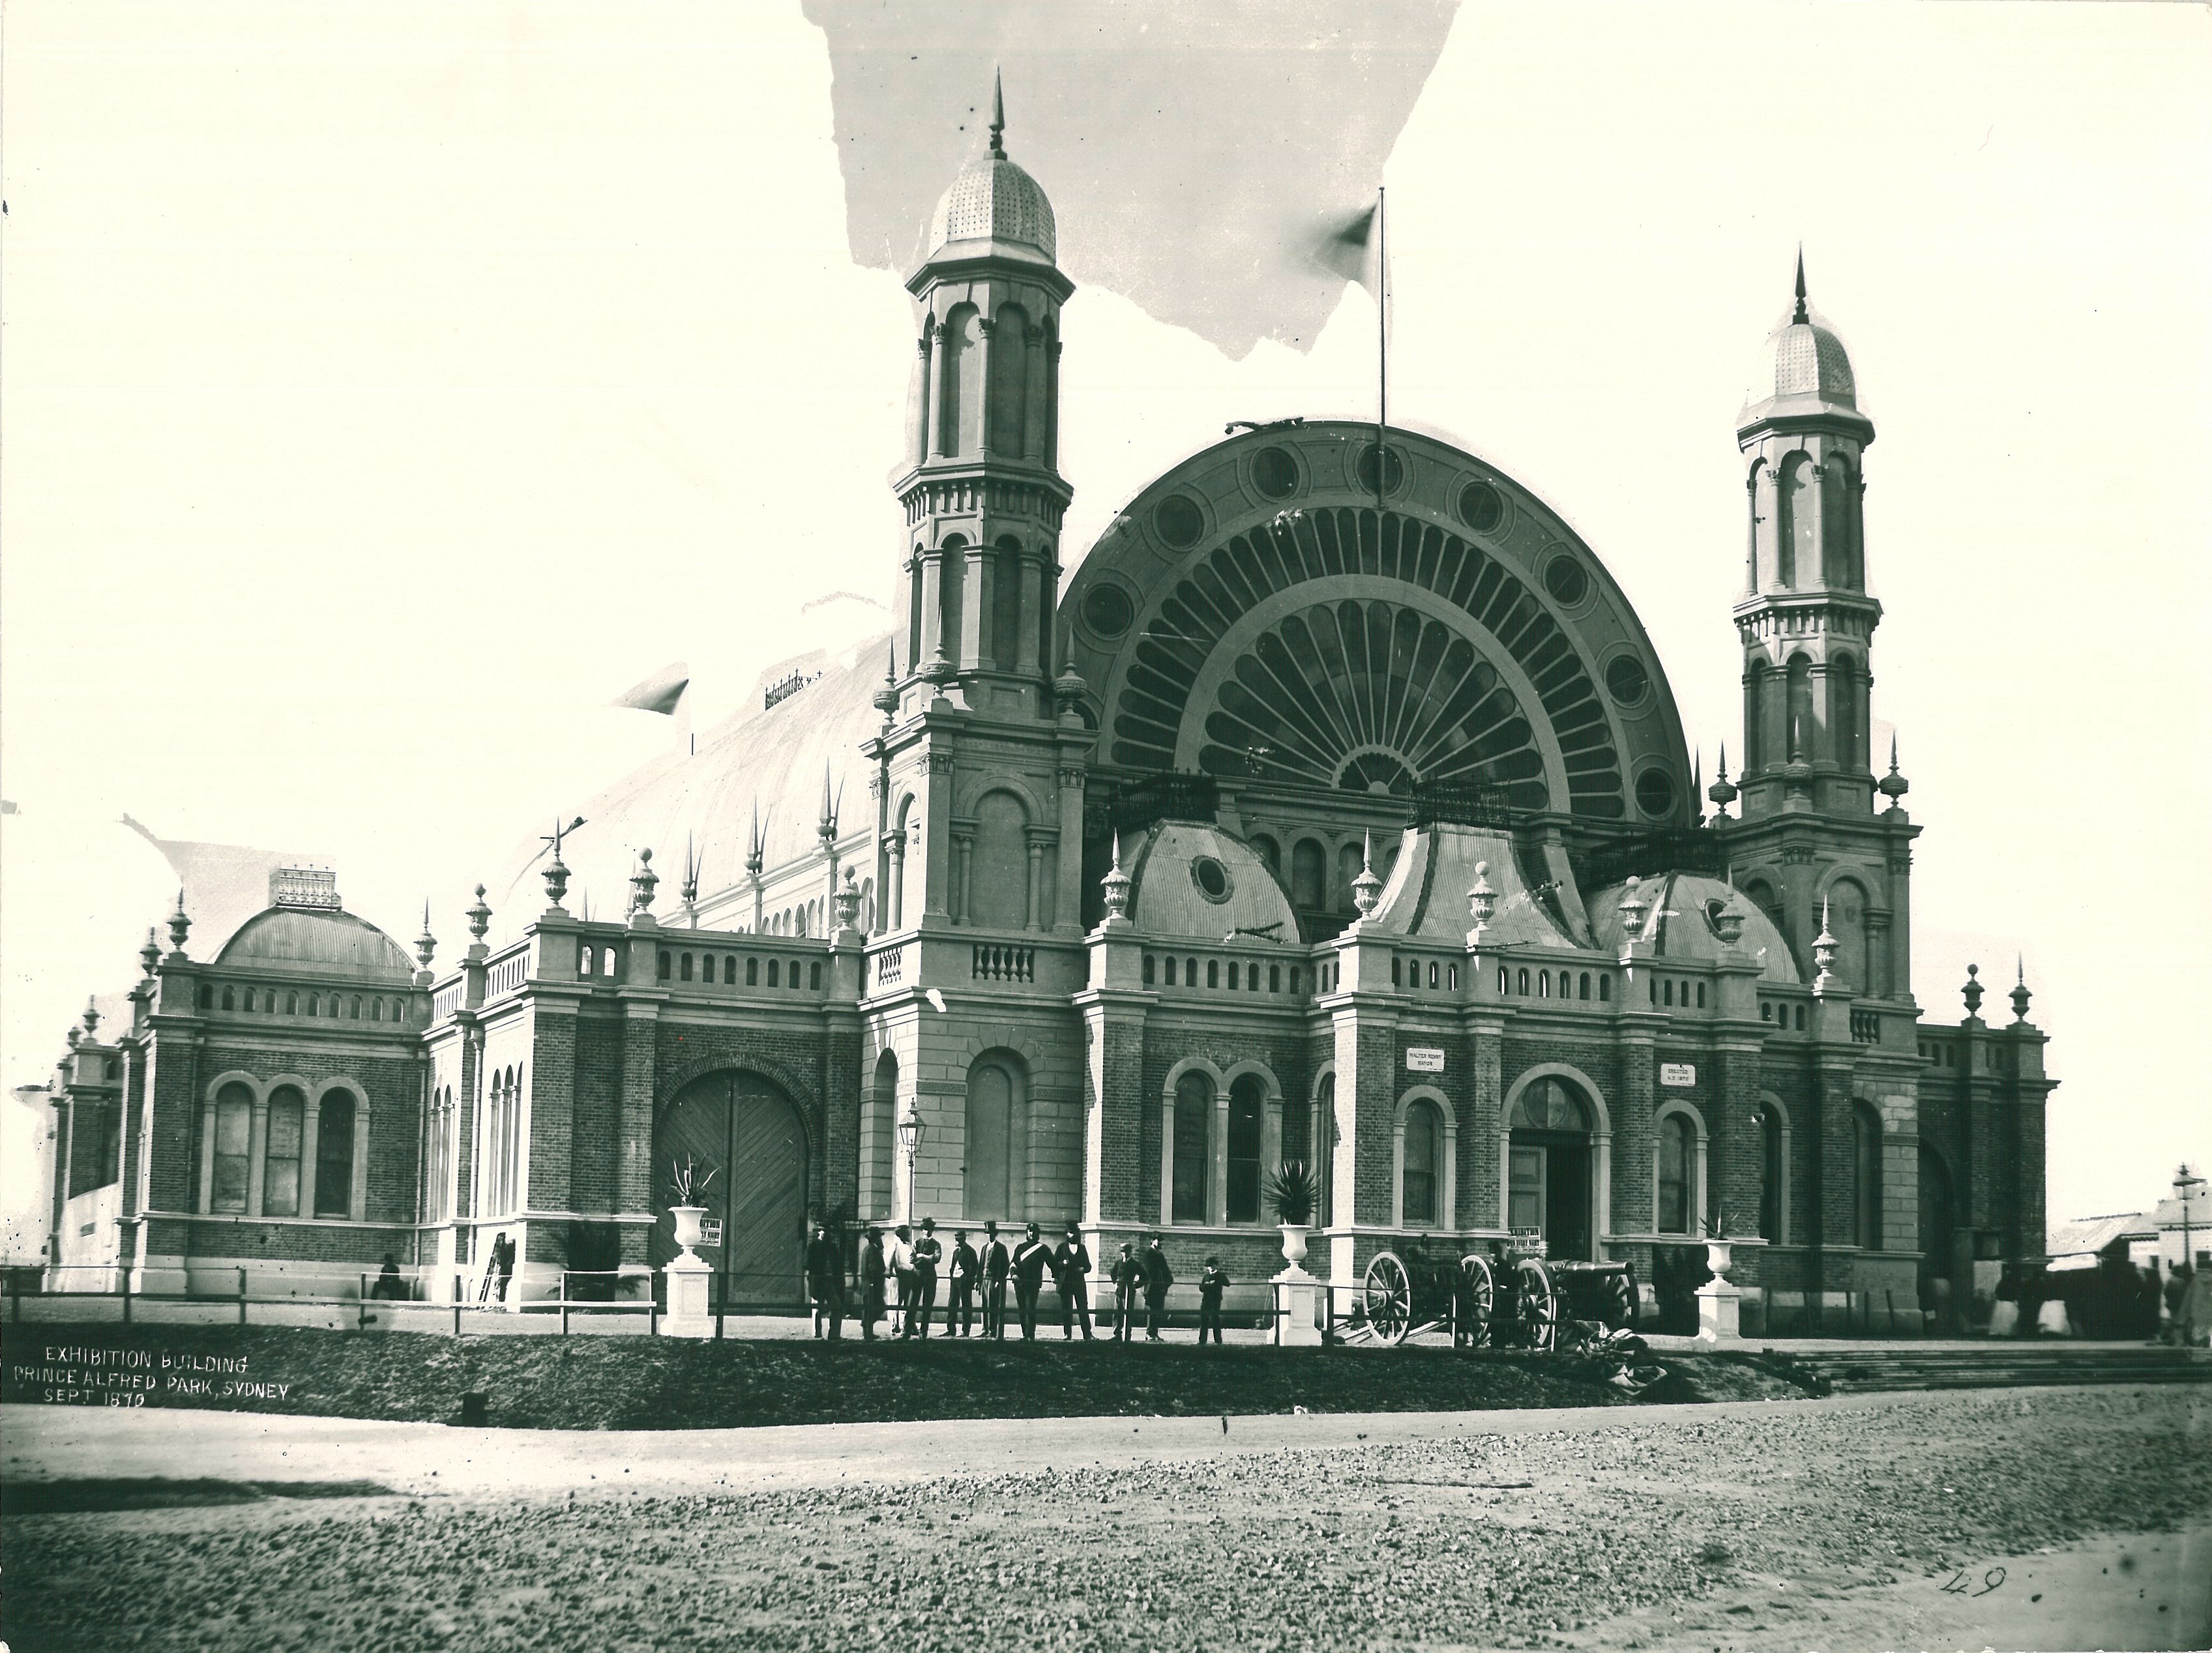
<point x="1355" y="249"/>
<point x="659" y="693"/>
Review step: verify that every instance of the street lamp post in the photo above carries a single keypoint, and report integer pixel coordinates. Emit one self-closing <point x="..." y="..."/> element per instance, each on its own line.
<point x="909" y="1136"/>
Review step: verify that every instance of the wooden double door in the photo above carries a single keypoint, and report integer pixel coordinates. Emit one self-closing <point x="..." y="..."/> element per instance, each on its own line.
<point x="743" y="1127"/>
<point x="1548" y="1189"/>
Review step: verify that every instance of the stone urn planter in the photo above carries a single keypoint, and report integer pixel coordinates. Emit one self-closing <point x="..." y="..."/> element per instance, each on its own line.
<point x="1720" y="1253"/>
<point x="688" y="1230"/>
<point x="1294" y="1243"/>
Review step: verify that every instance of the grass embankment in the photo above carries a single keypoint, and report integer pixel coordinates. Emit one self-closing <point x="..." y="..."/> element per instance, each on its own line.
<point x="621" y="1382"/>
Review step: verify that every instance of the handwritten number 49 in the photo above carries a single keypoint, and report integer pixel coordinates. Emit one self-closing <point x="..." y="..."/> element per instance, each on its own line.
<point x="1960" y="1586"/>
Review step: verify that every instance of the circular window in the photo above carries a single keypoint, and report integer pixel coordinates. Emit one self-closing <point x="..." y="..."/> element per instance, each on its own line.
<point x="1107" y="610"/>
<point x="1178" y="522"/>
<point x="1393" y="472"/>
<point x="1480" y="508"/>
<point x="1211" y="877"/>
<point x="1654" y="793"/>
<point x="1276" y="473"/>
<point x="1566" y="578"/>
<point x="1626" y="680"/>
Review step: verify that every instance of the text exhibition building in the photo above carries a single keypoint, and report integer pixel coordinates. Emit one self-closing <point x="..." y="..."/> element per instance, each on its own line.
<point x="1336" y="809"/>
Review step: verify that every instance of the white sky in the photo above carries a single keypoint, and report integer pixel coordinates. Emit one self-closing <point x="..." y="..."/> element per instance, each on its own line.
<point x="386" y="385"/>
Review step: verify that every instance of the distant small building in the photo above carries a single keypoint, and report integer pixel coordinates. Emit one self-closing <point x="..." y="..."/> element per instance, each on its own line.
<point x="2124" y="1236"/>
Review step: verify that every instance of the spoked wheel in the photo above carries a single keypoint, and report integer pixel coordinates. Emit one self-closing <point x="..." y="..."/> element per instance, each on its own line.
<point x="1478" y="1298"/>
<point x="1386" y="1296"/>
<point x="1619" y="1311"/>
<point x="1538" y="1303"/>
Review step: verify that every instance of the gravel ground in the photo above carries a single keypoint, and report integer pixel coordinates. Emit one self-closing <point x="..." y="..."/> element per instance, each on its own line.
<point x="1490" y="1540"/>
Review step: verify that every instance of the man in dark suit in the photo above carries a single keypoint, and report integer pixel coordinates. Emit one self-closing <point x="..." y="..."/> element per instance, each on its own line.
<point x="825" y="1283"/>
<point x="1031" y="1258"/>
<point x="1070" y="1273"/>
<point x="998" y="1262"/>
<point x="1157" y="1277"/>
<point x="927" y="1251"/>
<point x="871" y="1283"/>
<point x="960" y="1285"/>
<point x="1128" y="1286"/>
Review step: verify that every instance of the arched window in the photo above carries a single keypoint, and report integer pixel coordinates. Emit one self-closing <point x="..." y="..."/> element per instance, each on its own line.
<point x="1799" y="734"/>
<point x="772" y="972"/>
<point x="951" y="575"/>
<point x="1836" y="520"/>
<point x="1269" y="852"/>
<point x="730" y="971"/>
<point x="1677" y="1173"/>
<point x="879" y="1135"/>
<point x="1797" y="541"/>
<point x="1866" y="1178"/>
<point x="684" y="967"/>
<point x="1348" y="864"/>
<point x="1605" y="989"/>
<point x="991" y="1186"/>
<point x="661" y="967"/>
<point x="291" y="1004"/>
<point x="1191" y="1150"/>
<point x="1006" y="600"/>
<point x="229" y="999"/>
<point x="1521" y="982"/>
<point x="998" y="864"/>
<point x="1248" y="1103"/>
<point x="752" y="972"/>
<point x="1424" y="1133"/>
<point x="353" y="1014"/>
<point x="233" y="1143"/>
<point x="1309" y="876"/>
<point x="334" y="1131"/>
<point x="207" y="995"/>
<point x="1753" y="551"/>
<point x="1010" y="383"/>
<point x="1846" y="918"/>
<point x="1844" y="699"/>
<point x="1766" y="1133"/>
<point x="1324" y="1140"/>
<point x="280" y="1158"/>
<point x="960" y="398"/>
<point x="1585" y="985"/>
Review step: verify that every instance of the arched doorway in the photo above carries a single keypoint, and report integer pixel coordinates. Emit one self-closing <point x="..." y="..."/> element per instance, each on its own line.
<point x="1936" y="1238"/>
<point x="1549" y="1170"/>
<point x="743" y="1127"/>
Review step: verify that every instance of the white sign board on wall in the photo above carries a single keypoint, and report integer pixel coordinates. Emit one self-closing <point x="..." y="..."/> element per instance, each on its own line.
<point x="1421" y="1060"/>
<point x="1679" y="1075"/>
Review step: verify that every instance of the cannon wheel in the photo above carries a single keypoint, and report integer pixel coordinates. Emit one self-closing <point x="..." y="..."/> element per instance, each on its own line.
<point x="1538" y="1303"/>
<point x="1620" y="1314"/>
<point x="1478" y="1298"/>
<point x="1386" y="1296"/>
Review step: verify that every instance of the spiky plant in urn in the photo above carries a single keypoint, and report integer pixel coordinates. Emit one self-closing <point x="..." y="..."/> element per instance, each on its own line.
<point x="1292" y="1190"/>
<point x="688" y="1183"/>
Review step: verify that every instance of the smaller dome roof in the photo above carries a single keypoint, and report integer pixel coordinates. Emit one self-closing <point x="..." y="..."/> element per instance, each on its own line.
<point x="1802" y="361"/>
<point x="995" y="205"/>
<point x="1678" y="922"/>
<point x="994" y="200"/>
<point x="1198" y="881"/>
<point x="320" y="941"/>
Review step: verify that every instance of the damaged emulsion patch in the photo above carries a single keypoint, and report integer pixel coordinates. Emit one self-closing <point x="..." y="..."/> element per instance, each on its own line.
<point x="1195" y="155"/>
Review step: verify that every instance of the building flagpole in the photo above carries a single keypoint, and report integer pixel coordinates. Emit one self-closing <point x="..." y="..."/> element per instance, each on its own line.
<point x="1381" y="356"/>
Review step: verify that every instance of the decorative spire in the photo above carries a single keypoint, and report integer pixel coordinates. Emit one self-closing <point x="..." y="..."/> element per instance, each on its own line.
<point x="886" y="699"/>
<point x="826" y="827"/>
<point x="1721" y="791"/>
<point x="479" y="918"/>
<point x="1366" y="889"/>
<point x="180" y="928"/>
<point x="1068" y="689"/>
<point x="426" y="945"/>
<point x="557" y="871"/>
<point x="1971" y="993"/>
<point x="1801" y="315"/>
<point x="1894" y="786"/>
<point x="1698" y="783"/>
<point x="998" y="113"/>
<point x="690" y="888"/>
<point x="150" y="954"/>
<point x="2021" y="995"/>
<point x="756" y="846"/>
<point x="1825" y="949"/>
<point x="1115" y="886"/>
<point x="1482" y="902"/>
<point x="91" y="1018"/>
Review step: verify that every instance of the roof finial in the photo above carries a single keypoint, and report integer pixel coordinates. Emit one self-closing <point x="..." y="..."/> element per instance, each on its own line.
<point x="1801" y="315"/>
<point x="998" y="111"/>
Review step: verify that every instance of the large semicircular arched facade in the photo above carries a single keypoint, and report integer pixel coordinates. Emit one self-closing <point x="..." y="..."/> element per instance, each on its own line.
<point x="1245" y="619"/>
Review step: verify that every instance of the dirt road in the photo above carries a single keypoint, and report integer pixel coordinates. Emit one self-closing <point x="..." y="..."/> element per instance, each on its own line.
<point x="1813" y="1526"/>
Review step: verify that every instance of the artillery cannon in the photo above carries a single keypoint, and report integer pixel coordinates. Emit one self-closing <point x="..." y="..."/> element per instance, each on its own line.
<point x="1509" y="1295"/>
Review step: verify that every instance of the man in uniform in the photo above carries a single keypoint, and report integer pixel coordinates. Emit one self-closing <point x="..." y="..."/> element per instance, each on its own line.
<point x="1070" y="1273"/>
<point x="825" y="1282"/>
<point x="1031" y="1258"/>
<point x="960" y="1285"/>
<point x="998" y="1261"/>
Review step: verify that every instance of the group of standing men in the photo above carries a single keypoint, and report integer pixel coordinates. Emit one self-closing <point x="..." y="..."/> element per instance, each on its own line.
<point x="912" y="1262"/>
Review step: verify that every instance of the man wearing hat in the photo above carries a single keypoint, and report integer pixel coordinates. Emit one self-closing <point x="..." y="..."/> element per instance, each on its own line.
<point x="871" y="1283"/>
<point x="1070" y="1273"/>
<point x="1157" y="1277"/>
<point x="825" y="1282"/>
<point x="1031" y="1258"/>
<point x="926" y="1253"/>
<point x="997" y="1263"/>
<point x="960" y="1265"/>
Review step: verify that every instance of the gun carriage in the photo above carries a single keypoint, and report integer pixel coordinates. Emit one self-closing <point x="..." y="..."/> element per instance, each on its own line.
<point x="1507" y="1295"/>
